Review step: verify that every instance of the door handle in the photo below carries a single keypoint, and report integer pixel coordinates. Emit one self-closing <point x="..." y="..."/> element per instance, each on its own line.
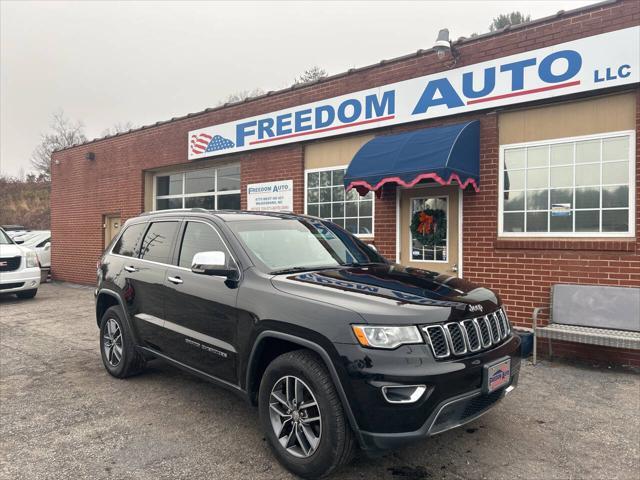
<point x="130" y="269"/>
<point x="176" y="280"/>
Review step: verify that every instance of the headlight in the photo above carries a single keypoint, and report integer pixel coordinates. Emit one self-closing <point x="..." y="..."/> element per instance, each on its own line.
<point x="386" y="337"/>
<point x="31" y="259"/>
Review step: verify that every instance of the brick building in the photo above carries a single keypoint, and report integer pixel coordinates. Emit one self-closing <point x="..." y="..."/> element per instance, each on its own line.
<point x="556" y="105"/>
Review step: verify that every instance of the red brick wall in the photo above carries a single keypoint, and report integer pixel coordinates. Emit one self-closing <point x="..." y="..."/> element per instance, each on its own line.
<point x="279" y="163"/>
<point x="521" y="271"/>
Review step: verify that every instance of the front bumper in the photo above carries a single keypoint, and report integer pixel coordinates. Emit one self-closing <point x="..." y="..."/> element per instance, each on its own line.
<point x="453" y="396"/>
<point x="19" y="280"/>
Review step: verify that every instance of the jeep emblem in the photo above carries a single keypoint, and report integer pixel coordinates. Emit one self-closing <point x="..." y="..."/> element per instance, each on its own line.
<point x="475" y="308"/>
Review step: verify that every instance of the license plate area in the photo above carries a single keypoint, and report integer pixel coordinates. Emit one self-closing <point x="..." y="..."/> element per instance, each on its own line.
<point x="496" y="375"/>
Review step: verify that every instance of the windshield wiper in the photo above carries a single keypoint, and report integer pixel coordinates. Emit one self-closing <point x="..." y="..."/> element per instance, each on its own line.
<point x="301" y="269"/>
<point x="362" y="264"/>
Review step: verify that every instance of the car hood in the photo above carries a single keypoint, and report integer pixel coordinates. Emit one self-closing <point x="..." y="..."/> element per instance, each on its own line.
<point x="392" y="294"/>
<point x="11" y="250"/>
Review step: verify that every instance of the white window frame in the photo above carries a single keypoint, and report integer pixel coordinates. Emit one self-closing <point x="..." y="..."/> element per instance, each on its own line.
<point x="600" y="136"/>
<point x="183" y="195"/>
<point x="343" y="167"/>
<point x="410" y="251"/>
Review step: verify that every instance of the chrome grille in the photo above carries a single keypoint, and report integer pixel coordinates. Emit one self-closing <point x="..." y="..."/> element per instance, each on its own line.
<point x="485" y="332"/>
<point x="438" y="341"/>
<point x="9" y="264"/>
<point x="468" y="336"/>
<point x="473" y="335"/>
<point x="456" y="338"/>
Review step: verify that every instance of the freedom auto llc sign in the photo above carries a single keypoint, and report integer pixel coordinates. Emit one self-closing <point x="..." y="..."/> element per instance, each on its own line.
<point x="270" y="196"/>
<point x="591" y="63"/>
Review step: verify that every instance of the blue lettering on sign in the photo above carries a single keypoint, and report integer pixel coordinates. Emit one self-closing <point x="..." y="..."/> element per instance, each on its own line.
<point x="378" y="108"/>
<point x="356" y="109"/>
<point x="322" y="120"/>
<point x="242" y="131"/>
<point x="283" y="124"/>
<point x="448" y="96"/>
<point x="574" y="63"/>
<point x="517" y="72"/>
<point x="487" y="88"/>
<point x="302" y="117"/>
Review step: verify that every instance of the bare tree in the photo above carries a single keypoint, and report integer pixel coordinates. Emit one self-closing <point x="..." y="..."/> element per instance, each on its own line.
<point x="311" y="75"/>
<point x="504" y="19"/>
<point x="63" y="133"/>
<point x="241" y="96"/>
<point x="119" y="127"/>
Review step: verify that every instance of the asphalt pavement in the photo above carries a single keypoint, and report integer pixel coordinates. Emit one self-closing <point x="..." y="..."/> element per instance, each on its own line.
<point x="62" y="416"/>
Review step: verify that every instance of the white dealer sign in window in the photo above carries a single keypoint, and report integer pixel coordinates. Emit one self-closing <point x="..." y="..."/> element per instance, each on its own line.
<point x="270" y="196"/>
<point x="600" y="61"/>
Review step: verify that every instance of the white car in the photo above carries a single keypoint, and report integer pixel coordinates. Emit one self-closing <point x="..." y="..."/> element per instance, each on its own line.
<point x="40" y="240"/>
<point x="19" y="268"/>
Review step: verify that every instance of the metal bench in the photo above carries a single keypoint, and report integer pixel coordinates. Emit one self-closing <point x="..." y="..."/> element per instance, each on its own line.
<point x="595" y="315"/>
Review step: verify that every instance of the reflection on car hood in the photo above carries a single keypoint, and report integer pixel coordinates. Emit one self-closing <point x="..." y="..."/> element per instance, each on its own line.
<point x="392" y="293"/>
<point x="11" y="251"/>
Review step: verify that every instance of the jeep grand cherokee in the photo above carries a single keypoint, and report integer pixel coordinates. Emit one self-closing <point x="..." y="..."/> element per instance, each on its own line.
<point x="335" y="345"/>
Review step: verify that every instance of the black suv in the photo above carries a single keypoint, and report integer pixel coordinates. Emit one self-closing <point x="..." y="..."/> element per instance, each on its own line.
<point x="333" y="343"/>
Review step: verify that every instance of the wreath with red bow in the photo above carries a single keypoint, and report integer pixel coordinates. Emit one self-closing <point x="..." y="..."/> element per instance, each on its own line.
<point x="429" y="227"/>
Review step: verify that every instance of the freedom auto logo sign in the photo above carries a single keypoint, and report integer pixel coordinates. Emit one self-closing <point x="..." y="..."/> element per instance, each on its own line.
<point x="591" y="63"/>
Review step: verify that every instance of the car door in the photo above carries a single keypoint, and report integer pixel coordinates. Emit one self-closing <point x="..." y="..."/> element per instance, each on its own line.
<point x="200" y="310"/>
<point x="145" y="282"/>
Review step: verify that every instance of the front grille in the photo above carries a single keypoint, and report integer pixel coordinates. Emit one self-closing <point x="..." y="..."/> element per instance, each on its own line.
<point x="9" y="264"/>
<point x="8" y="286"/>
<point x="468" y="336"/>
<point x="463" y="410"/>
<point x="438" y="340"/>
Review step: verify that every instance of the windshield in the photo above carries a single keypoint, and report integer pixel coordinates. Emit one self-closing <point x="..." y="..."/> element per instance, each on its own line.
<point x="277" y="246"/>
<point x="4" y="238"/>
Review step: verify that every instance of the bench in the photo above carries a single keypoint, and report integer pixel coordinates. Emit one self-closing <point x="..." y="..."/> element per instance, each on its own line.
<point x="589" y="314"/>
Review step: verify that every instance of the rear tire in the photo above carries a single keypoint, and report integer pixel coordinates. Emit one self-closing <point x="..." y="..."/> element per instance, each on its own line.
<point x="26" y="294"/>
<point x="305" y="445"/>
<point x="119" y="354"/>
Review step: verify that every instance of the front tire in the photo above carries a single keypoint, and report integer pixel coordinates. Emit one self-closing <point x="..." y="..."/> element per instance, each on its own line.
<point x="302" y="415"/>
<point x="26" y="294"/>
<point x="117" y="348"/>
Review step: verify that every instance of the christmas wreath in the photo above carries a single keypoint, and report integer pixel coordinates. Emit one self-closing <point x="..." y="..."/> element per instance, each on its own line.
<point x="429" y="227"/>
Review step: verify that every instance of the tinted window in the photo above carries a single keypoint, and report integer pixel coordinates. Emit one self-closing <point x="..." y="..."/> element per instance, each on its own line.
<point x="199" y="237"/>
<point x="158" y="242"/>
<point x="43" y="243"/>
<point x="127" y="244"/>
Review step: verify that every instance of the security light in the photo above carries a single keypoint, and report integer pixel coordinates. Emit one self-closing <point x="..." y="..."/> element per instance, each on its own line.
<point x="442" y="45"/>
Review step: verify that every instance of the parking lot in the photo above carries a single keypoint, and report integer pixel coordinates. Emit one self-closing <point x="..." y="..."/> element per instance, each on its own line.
<point x="63" y="416"/>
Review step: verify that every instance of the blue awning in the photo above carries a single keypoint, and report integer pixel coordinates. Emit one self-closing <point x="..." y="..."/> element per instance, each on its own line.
<point x="443" y="154"/>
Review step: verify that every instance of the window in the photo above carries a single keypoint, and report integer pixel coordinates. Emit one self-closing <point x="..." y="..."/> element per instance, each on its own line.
<point x="199" y="237"/>
<point x="580" y="186"/>
<point x="128" y="242"/>
<point x="210" y="188"/>
<point x="432" y="208"/>
<point x="158" y="242"/>
<point x="326" y="198"/>
<point x="300" y="244"/>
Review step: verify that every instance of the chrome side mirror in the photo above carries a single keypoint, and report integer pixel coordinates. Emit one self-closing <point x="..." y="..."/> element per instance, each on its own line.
<point x="211" y="263"/>
<point x="47" y="245"/>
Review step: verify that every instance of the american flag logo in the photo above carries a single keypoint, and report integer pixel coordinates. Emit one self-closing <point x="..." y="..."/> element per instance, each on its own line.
<point x="206" y="143"/>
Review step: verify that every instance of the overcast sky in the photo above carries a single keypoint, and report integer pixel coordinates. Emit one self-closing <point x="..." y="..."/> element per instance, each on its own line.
<point x="109" y="62"/>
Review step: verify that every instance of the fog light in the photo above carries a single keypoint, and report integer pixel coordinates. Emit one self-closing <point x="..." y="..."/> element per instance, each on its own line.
<point x="403" y="393"/>
<point x="33" y="283"/>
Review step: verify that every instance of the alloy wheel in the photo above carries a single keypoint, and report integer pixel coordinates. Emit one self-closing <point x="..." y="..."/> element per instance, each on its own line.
<point x="295" y="416"/>
<point x="112" y="342"/>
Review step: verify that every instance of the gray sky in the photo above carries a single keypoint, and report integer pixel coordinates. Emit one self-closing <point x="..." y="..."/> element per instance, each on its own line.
<point x="110" y="62"/>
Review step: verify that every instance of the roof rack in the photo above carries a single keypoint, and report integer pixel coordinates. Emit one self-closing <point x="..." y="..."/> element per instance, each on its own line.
<point x="152" y="212"/>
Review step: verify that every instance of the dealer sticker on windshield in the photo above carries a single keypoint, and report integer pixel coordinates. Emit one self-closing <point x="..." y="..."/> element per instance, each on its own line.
<point x="497" y="375"/>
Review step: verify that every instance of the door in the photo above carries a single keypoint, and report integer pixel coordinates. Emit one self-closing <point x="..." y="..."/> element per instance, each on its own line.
<point x="145" y="290"/>
<point x="200" y="310"/>
<point x="111" y="228"/>
<point x="429" y="228"/>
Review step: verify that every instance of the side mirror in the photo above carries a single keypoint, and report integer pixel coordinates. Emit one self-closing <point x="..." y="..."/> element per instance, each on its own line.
<point x="211" y="263"/>
<point x="372" y="247"/>
<point x="47" y="245"/>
